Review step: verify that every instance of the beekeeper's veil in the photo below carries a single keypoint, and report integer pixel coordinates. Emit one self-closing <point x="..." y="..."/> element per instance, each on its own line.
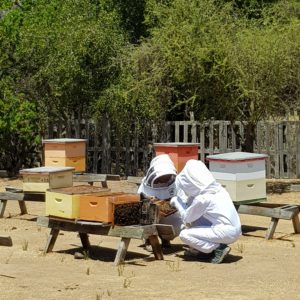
<point x="160" y="165"/>
<point x="195" y="179"/>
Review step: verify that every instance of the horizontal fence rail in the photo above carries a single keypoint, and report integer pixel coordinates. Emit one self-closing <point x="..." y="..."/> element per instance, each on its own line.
<point x="131" y="154"/>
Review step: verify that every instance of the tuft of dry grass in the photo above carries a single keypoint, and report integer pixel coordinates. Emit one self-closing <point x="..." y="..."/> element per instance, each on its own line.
<point x="25" y="245"/>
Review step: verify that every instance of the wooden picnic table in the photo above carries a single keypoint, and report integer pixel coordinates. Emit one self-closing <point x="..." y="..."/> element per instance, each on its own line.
<point x="126" y="233"/>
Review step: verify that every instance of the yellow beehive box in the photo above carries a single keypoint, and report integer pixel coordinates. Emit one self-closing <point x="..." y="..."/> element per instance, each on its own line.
<point x="65" y="152"/>
<point x="42" y="178"/>
<point x="65" y="202"/>
<point x="78" y="163"/>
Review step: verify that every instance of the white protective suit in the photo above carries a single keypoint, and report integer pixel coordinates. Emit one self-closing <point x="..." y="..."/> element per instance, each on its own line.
<point x="206" y="208"/>
<point x="162" y="165"/>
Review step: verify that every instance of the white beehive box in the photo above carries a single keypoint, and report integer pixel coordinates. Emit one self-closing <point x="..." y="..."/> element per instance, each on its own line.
<point x="42" y="178"/>
<point x="243" y="175"/>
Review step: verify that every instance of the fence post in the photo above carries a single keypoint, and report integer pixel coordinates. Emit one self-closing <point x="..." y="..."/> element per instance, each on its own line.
<point x="106" y="145"/>
<point x="297" y="139"/>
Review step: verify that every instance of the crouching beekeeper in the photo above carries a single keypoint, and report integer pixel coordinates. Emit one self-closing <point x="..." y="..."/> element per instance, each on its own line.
<point x="159" y="183"/>
<point x="207" y="211"/>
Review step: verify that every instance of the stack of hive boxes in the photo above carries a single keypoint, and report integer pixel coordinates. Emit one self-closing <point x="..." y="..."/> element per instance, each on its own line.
<point x="242" y="174"/>
<point x="65" y="152"/>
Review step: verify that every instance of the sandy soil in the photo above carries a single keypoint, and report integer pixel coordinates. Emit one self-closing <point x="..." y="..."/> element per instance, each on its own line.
<point x="255" y="269"/>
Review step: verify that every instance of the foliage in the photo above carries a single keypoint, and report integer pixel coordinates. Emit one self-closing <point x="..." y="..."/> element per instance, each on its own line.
<point x="265" y="66"/>
<point x="138" y="62"/>
<point x="132" y="17"/>
<point x="73" y="53"/>
<point x="60" y="56"/>
<point x="136" y="99"/>
<point x="221" y="59"/>
<point x="226" y="67"/>
<point x="19" y="137"/>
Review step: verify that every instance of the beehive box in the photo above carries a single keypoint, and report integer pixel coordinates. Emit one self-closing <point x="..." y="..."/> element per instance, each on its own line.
<point x="242" y="174"/>
<point x="179" y="153"/>
<point x="42" y="178"/>
<point x="65" y="202"/>
<point x="65" y="152"/>
<point x="78" y="163"/>
<point x="110" y="208"/>
<point x="164" y="207"/>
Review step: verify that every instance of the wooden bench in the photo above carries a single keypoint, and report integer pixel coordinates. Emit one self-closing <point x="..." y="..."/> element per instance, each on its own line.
<point x="92" y="178"/>
<point x="17" y="194"/>
<point x="135" y="179"/>
<point x="275" y="212"/>
<point x="21" y="197"/>
<point x="126" y="233"/>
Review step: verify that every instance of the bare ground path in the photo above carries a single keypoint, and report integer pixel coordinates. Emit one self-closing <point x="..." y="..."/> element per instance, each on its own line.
<point x="255" y="269"/>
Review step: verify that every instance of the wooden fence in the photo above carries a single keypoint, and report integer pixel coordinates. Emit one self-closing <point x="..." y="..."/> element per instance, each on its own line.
<point x="130" y="155"/>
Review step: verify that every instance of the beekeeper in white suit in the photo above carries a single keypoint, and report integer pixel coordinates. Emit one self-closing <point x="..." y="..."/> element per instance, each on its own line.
<point x="210" y="218"/>
<point x="159" y="182"/>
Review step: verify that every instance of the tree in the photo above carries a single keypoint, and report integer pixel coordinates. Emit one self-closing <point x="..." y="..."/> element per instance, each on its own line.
<point x="19" y="131"/>
<point x="219" y="60"/>
<point x="68" y="51"/>
<point x="58" y="58"/>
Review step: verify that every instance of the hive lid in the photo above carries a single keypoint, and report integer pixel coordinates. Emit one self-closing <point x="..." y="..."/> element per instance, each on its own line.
<point x="45" y="170"/>
<point x="80" y="189"/>
<point x="64" y="140"/>
<point x="179" y="144"/>
<point x="236" y="156"/>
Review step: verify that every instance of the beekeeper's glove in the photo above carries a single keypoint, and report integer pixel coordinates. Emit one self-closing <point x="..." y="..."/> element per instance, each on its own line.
<point x="173" y="201"/>
<point x="185" y="226"/>
<point x="176" y="202"/>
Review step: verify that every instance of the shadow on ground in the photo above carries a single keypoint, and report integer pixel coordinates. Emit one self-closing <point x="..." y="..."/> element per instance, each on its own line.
<point x="103" y="254"/>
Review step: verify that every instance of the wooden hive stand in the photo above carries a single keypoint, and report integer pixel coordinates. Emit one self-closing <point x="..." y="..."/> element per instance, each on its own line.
<point x="126" y="233"/>
<point x="275" y="212"/>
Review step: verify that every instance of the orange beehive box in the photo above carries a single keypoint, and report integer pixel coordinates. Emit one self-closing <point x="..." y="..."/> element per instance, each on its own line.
<point x="78" y="163"/>
<point x="179" y="153"/>
<point x="65" y="152"/>
<point x="64" y="147"/>
<point x="101" y="208"/>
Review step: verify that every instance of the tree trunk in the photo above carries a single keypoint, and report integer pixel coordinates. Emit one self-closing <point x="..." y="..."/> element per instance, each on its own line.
<point x="249" y="138"/>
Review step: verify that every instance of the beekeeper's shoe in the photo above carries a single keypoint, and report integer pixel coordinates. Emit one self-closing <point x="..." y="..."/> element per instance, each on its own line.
<point x="220" y="253"/>
<point x="191" y="252"/>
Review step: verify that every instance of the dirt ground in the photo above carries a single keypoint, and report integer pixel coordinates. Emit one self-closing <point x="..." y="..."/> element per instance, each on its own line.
<point x="255" y="269"/>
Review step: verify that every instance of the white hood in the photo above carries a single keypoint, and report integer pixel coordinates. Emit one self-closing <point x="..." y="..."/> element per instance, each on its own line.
<point x="160" y="165"/>
<point x="196" y="179"/>
<point x="159" y="193"/>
